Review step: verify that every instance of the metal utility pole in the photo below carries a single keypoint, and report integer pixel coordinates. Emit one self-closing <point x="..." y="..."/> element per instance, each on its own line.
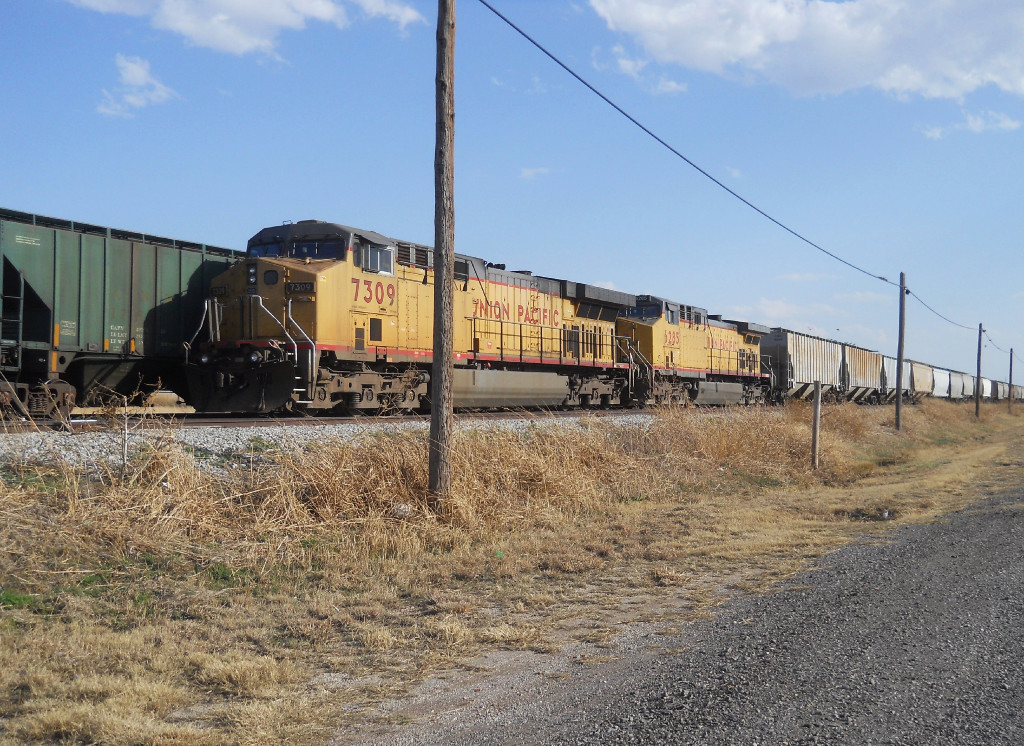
<point x="1009" y="398"/>
<point x="899" y="351"/>
<point x="977" y="381"/>
<point x="441" y="418"/>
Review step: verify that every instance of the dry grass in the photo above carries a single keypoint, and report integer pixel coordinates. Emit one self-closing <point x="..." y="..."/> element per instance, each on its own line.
<point x="183" y="605"/>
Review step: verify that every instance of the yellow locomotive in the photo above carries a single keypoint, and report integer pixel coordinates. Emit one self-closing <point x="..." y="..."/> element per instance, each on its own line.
<point x="321" y="316"/>
<point x="694" y="356"/>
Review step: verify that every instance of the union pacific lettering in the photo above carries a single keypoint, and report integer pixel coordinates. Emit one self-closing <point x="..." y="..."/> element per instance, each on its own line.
<point x="496" y="310"/>
<point x="534" y="315"/>
<point x="717" y="343"/>
<point x="502" y="311"/>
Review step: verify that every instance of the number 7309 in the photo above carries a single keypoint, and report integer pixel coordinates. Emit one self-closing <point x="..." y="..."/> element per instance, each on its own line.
<point x="368" y="292"/>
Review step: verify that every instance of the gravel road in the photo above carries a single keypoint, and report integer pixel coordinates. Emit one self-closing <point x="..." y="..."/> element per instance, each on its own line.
<point x="917" y="640"/>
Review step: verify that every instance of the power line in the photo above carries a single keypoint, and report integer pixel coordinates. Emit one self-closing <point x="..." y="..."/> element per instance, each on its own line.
<point x="944" y="318"/>
<point x="992" y="342"/>
<point x="677" y="153"/>
<point x="704" y="173"/>
<point x="1005" y="352"/>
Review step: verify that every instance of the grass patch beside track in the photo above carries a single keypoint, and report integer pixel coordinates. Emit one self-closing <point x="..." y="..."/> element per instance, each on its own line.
<point x="277" y="601"/>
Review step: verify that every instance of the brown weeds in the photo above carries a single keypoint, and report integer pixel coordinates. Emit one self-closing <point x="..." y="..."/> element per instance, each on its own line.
<point x="187" y="602"/>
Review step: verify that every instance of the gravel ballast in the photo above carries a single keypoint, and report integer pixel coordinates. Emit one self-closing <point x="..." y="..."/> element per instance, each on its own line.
<point x="88" y="448"/>
<point x="914" y="640"/>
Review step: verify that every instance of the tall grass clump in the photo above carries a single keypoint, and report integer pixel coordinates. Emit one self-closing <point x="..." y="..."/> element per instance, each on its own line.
<point x="371" y="491"/>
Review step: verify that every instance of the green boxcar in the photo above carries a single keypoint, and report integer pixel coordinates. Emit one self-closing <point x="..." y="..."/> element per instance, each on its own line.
<point x="88" y="311"/>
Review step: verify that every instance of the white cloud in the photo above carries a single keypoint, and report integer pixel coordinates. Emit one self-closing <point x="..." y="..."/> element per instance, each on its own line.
<point x="986" y="121"/>
<point x="537" y="87"/>
<point x="805" y="277"/>
<point x="931" y="48"/>
<point x="990" y="120"/>
<point x="131" y="7"/>
<point x="628" y="65"/>
<point x="666" y="86"/>
<point x="867" y="296"/>
<point x="530" y="173"/>
<point x="244" y="26"/>
<point x="778" y="312"/>
<point x="634" y="67"/>
<point x="138" y="88"/>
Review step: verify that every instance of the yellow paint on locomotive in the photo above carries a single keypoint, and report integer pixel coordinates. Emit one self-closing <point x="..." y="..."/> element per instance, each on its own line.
<point x="731" y="352"/>
<point x="249" y="283"/>
<point x="666" y="345"/>
<point x="688" y="346"/>
<point x="358" y="314"/>
<point x="509" y="321"/>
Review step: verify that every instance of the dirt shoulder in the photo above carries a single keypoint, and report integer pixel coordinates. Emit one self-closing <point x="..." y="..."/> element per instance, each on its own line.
<point x="912" y="601"/>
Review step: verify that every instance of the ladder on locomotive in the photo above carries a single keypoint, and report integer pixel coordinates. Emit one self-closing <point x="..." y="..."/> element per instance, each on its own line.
<point x="641" y="371"/>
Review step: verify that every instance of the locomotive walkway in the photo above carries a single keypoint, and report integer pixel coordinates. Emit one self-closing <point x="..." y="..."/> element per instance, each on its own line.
<point x="913" y="640"/>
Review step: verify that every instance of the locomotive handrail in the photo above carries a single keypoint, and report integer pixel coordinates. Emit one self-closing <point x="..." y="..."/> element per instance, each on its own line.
<point x="635" y="360"/>
<point x="552" y="341"/>
<point x="291" y="340"/>
<point x="311" y="374"/>
<point x="534" y="332"/>
<point x="202" y="320"/>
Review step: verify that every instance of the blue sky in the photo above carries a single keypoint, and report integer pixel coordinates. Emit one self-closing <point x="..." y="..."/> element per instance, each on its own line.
<point x="886" y="131"/>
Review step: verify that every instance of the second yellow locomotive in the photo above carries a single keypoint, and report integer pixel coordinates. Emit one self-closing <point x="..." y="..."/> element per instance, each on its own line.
<point x="321" y="316"/>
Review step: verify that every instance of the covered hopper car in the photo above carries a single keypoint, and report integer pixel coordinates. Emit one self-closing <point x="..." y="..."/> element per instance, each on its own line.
<point x="849" y="373"/>
<point x="321" y="316"/>
<point x="88" y="310"/>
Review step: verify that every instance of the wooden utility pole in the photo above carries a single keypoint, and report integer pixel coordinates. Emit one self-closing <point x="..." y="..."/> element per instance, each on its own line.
<point x="977" y="380"/>
<point x="899" y="351"/>
<point x="1009" y="398"/>
<point x="441" y="419"/>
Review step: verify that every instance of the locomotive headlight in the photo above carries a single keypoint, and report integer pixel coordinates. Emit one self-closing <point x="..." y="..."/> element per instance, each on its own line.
<point x="204" y="359"/>
<point x="254" y="357"/>
<point x="252" y="274"/>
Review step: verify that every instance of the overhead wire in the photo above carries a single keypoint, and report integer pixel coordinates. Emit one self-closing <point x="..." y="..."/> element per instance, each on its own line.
<point x="944" y="318"/>
<point x="706" y="174"/>
<point x="675" y="152"/>
<point x="992" y="342"/>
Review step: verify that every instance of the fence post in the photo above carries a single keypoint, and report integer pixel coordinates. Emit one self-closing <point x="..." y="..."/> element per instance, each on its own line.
<point x="816" y="428"/>
<point x="899" y="351"/>
<point x="977" y="380"/>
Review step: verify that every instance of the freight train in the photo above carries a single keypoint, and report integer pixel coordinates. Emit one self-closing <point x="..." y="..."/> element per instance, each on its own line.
<point x="848" y="372"/>
<point x="322" y="317"/>
<point x="89" y="311"/>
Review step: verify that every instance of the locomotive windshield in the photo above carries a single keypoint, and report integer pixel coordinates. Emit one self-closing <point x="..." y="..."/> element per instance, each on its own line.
<point x="318" y="250"/>
<point x="302" y="250"/>
<point x="644" y="311"/>
<point x="267" y="249"/>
